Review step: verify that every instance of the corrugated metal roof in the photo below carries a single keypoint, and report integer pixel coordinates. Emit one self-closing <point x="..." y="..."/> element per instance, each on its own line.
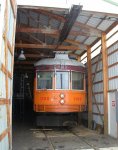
<point x="97" y="21"/>
<point x="90" y="40"/>
<point x="105" y="24"/>
<point x="80" y="38"/>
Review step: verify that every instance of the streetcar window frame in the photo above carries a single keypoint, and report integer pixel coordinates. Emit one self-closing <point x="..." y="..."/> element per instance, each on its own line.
<point x="83" y="81"/>
<point x="37" y="80"/>
<point x="68" y="79"/>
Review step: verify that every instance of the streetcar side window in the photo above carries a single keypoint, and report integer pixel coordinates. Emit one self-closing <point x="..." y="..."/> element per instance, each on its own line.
<point x="77" y="81"/>
<point x="44" y="80"/>
<point x="62" y="80"/>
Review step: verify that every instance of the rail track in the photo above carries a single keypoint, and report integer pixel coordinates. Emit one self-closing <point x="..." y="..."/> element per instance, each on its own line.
<point x="52" y="146"/>
<point x="82" y="139"/>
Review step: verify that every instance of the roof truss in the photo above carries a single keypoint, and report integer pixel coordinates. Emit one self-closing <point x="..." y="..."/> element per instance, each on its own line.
<point x="60" y="47"/>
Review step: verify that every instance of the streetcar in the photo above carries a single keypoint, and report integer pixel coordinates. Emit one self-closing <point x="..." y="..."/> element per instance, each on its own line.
<point x="59" y="91"/>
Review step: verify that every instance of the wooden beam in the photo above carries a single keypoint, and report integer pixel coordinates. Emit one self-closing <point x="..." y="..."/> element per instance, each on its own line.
<point x="89" y="29"/>
<point x="38" y="30"/>
<point x="10" y="47"/>
<point x="61" y="47"/>
<point x="94" y="42"/>
<point x="45" y="8"/>
<point x="89" y="88"/>
<point x="4" y="101"/>
<point x="83" y="33"/>
<point x="6" y="15"/>
<point x="112" y="26"/>
<point x="25" y="62"/>
<point x="82" y="53"/>
<point x="14" y="7"/>
<point x="105" y="82"/>
<point x="30" y="17"/>
<point x="33" y="56"/>
<point x="49" y="14"/>
<point x="77" y="43"/>
<point x="4" y="133"/>
<point x="34" y="38"/>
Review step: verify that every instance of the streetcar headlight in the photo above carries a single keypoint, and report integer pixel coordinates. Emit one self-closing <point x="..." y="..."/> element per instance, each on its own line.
<point x="62" y="101"/>
<point x="62" y="95"/>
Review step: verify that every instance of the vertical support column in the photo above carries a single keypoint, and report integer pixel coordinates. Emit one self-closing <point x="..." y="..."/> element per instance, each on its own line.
<point x="89" y="88"/>
<point x="6" y="78"/>
<point x="105" y="82"/>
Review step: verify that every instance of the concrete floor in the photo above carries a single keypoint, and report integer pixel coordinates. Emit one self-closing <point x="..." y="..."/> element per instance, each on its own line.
<point x="28" y="137"/>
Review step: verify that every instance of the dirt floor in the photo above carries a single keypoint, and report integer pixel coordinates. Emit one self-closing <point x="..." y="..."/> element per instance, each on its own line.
<point x="27" y="137"/>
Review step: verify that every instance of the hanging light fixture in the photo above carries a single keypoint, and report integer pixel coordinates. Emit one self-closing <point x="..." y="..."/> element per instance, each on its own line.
<point x="21" y="56"/>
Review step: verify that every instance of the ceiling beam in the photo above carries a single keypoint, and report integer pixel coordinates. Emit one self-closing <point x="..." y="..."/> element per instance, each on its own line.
<point x="25" y="62"/>
<point x="42" y="55"/>
<point x="38" y="30"/>
<point x="77" y="43"/>
<point x="55" y="33"/>
<point x="89" y="29"/>
<point x="34" y="38"/>
<point x="66" y="10"/>
<point x="49" y="14"/>
<point x="84" y="33"/>
<point x="32" y="55"/>
<point x="61" y="47"/>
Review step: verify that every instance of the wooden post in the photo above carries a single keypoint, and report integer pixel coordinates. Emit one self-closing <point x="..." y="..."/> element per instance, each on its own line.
<point x="105" y="82"/>
<point x="89" y="88"/>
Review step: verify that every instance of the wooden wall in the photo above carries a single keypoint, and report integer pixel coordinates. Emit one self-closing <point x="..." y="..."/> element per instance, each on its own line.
<point x="7" y="38"/>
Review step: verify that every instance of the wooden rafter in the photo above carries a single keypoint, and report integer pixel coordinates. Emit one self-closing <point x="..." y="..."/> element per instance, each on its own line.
<point x="77" y="43"/>
<point x="89" y="29"/>
<point x="61" y="47"/>
<point x="36" y="39"/>
<point x="46" y="8"/>
<point x="86" y="23"/>
<point x="49" y="14"/>
<point x="34" y="56"/>
<point x="83" y="33"/>
<point x="82" y="53"/>
<point x="25" y="62"/>
<point x="38" y="30"/>
<point x="32" y="18"/>
<point x="112" y="26"/>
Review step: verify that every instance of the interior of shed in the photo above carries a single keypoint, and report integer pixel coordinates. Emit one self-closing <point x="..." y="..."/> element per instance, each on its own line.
<point x="40" y="32"/>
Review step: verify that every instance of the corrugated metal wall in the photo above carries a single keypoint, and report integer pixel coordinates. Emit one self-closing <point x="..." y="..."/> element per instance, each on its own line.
<point x="7" y="37"/>
<point x="97" y="74"/>
<point x="97" y="94"/>
<point x="112" y="43"/>
<point x="113" y="66"/>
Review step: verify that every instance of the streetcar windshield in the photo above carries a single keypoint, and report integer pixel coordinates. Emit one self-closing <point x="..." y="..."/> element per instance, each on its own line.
<point x="77" y="81"/>
<point x="62" y="80"/>
<point x="44" y="80"/>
